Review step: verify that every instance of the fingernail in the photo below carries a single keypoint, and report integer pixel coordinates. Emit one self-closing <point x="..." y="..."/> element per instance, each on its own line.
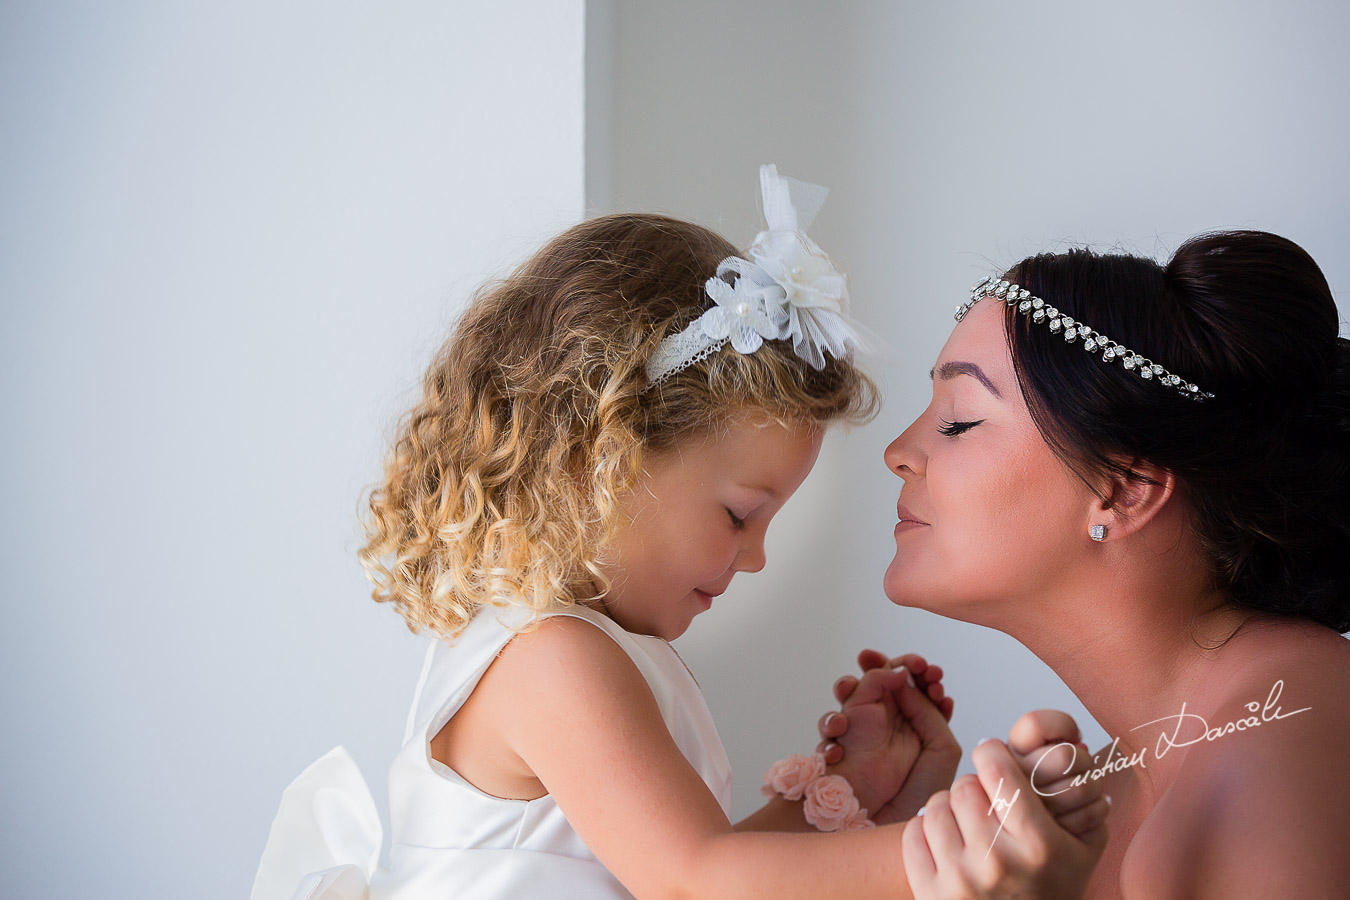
<point x="982" y="741"/>
<point x="921" y="809"/>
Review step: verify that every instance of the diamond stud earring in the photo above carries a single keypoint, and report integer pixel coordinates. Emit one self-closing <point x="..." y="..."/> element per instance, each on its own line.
<point x="1098" y="532"/>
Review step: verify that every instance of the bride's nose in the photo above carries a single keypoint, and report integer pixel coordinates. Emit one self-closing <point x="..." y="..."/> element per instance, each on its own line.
<point x="904" y="456"/>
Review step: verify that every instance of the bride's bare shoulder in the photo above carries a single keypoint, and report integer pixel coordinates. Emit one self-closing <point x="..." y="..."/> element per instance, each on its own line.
<point x="1261" y="805"/>
<point x="1312" y="661"/>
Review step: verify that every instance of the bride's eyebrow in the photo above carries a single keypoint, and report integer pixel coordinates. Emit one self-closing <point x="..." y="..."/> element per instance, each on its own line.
<point x="949" y="370"/>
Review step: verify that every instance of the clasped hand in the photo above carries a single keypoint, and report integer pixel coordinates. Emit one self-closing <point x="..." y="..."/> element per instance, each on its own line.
<point x="990" y="834"/>
<point x="893" y="725"/>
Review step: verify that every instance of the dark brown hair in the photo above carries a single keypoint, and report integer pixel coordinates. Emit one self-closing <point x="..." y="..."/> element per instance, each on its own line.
<point x="1265" y="464"/>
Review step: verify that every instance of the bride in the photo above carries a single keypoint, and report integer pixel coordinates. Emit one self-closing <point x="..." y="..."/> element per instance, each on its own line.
<point x="1142" y="473"/>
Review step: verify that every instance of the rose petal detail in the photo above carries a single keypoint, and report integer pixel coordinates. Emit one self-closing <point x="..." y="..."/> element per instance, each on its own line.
<point x="790" y="776"/>
<point x="830" y="802"/>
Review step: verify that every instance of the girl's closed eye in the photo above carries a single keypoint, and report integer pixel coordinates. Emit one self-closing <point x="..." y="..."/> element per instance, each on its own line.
<point x="736" y="521"/>
<point x="954" y="428"/>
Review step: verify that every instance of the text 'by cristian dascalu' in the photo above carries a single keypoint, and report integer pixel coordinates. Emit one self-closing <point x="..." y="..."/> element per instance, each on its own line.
<point x="1196" y="729"/>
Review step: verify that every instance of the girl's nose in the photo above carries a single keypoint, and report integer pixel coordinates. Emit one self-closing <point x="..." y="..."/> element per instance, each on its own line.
<point x="751" y="557"/>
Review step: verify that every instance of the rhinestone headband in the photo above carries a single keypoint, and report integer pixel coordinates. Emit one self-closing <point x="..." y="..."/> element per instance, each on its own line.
<point x="1041" y="313"/>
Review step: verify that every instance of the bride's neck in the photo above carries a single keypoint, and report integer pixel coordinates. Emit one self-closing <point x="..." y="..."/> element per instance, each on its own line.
<point x="1133" y="645"/>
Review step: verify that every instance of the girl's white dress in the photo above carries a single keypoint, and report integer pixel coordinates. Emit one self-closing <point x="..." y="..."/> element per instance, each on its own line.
<point x="451" y="840"/>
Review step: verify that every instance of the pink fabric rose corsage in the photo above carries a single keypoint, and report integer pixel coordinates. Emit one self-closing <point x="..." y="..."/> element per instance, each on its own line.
<point x="831" y="806"/>
<point x="790" y="776"/>
<point x="830" y="803"/>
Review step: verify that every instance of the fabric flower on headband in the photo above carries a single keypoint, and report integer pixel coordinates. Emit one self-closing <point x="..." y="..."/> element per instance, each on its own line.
<point x="746" y="314"/>
<point x="788" y="288"/>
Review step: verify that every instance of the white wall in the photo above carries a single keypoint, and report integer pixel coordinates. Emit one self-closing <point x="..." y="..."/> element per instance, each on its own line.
<point x="958" y="137"/>
<point x="231" y="235"/>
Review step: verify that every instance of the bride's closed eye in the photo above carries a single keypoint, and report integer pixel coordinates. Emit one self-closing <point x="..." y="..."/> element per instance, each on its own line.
<point x="736" y="522"/>
<point x="954" y="428"/>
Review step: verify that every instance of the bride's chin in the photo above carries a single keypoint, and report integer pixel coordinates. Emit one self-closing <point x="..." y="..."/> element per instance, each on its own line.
<point x="905" y="585"/>
<point x="896" y="585"/>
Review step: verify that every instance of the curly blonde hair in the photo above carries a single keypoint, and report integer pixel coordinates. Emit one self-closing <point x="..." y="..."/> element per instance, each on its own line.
<point x="504" y="481"/>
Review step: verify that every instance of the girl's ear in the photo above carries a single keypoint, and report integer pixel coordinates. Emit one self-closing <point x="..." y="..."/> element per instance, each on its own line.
<point x="1132" y="500"/>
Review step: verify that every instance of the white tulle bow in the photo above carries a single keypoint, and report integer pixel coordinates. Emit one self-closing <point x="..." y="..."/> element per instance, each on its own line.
<point x="787" y="289"/>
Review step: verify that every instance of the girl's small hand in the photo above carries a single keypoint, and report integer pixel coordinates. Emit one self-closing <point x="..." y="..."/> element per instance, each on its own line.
<point x="926" y="678"/>
<point x="900" y="749"/>
<point x="990" y="836"/>
<point x="882" y="747"/>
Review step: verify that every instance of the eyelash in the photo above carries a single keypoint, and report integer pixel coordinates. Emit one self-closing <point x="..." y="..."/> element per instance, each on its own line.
<point x="951" y="429"/>
<point x="735" y="522"/>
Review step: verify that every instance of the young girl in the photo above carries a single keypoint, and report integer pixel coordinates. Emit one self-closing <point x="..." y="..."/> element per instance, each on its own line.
<point x="597" y="453"/>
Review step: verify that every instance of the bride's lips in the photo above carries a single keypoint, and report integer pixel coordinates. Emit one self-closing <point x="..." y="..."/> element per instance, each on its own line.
<point x="908" y="520"/>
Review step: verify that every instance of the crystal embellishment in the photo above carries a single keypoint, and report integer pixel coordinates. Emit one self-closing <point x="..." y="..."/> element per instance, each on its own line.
<point x="1021" y="299"/>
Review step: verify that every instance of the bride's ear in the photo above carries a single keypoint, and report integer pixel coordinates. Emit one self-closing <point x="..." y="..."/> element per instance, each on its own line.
<point x="1132" y="499"/>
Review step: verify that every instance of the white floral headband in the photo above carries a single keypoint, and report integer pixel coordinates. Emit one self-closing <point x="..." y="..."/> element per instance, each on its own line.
<point x="788" y="288"/>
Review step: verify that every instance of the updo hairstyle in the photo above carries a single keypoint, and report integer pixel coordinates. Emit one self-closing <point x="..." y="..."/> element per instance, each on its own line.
<point x="1264" y="465"/>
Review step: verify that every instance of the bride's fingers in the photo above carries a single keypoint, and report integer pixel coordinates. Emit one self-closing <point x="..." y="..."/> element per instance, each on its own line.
<point x="911" y="661"/>
<point x="832" y="725"/>
<point x="876" y="686"/>
<point x="844" y="687"/>
<point x="1085" y="819"/>
<point x="1051" y="763"/>
<point x="1053" y="771"/>
<point x="1054" y="760"/>
<point x="1042" y="726"/>
<point x="927" y="720"/>
<point x="871" y="659"/>
<point x="1063" y="796"/>
<point x="925" y="677"/>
